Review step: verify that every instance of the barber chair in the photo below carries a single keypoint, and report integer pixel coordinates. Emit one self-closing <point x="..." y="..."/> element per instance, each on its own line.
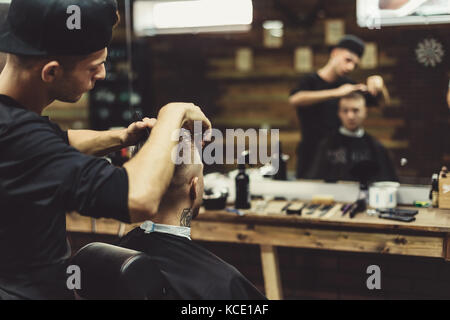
<point x="113" y="273"/>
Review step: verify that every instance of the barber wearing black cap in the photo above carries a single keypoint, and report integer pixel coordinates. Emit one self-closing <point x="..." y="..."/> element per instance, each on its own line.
<point x="316" y="97"/>
<point x="56" y="50"/>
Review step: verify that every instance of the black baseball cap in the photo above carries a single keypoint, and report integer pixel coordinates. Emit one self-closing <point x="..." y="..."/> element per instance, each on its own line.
<point x="41" y="27"/>
<point x="353" y="44"/>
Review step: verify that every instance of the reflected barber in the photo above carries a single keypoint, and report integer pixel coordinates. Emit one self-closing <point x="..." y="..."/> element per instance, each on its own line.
<point x="317" y="95"/>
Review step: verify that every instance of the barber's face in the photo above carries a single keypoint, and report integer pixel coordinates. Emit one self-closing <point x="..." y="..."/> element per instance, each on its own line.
<point x="344" y="61"/>
<point x="83" y="77"/>
<point x="352" y="113"/>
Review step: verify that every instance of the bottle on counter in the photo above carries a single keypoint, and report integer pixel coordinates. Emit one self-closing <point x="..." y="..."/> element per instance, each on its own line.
<point x="242" y="187"/>
<point x="434" y="194"/>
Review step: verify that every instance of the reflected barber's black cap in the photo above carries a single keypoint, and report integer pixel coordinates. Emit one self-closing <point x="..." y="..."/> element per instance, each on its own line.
<point x="58" y="27"/>
<point x="353" y="44"/>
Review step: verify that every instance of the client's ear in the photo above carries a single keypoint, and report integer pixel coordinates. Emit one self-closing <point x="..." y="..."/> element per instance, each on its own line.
<point x="193" y="192"/>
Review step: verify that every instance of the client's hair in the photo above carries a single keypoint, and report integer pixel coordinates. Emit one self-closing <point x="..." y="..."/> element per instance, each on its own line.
<point x="185" y="162"/>
<point x="357" y="95"/>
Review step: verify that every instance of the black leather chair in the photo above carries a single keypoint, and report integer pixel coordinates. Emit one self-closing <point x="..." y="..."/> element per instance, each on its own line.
<point x="111" y="273"/>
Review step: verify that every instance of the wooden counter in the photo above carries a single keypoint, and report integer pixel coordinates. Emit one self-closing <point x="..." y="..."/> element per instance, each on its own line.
<point x="428" y="236"/>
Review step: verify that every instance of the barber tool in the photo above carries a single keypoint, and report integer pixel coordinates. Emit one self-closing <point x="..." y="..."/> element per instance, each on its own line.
<point x="311" y="208"/>
<point x="295" y="208"/>
<point x="238" y="212"/>
<point x="325" y="209"/>
<point x="286" y="206"/>
<point x="347" y="208"/>
<point x="358" y="206"/>
<point x="391" y="216"/>
<point x="402" y="215"/>
<point x="399" y="212"/>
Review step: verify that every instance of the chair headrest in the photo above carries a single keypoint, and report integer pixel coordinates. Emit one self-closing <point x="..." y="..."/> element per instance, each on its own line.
<point x="111" y="272"/>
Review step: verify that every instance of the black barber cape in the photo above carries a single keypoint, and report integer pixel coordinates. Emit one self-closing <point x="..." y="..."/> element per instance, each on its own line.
<point x="192" y="272"/>
<point x="42" y="178"/>
<point x="320" y="120"/>
<point x="338" y="154"/>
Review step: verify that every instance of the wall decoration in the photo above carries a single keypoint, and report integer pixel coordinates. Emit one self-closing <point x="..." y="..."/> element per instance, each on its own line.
<point x="430" y="52"/>
<point x="244" y="59"/>
<point x="334" y="31"/>
<point x="370" y="57"/>
<point x="273" y="33"/>
<point x="303" y="59"/>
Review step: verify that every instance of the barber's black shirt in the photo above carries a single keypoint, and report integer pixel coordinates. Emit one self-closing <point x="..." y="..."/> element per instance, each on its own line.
<point x="41" y="179"/>
<point x="193" y="272"/>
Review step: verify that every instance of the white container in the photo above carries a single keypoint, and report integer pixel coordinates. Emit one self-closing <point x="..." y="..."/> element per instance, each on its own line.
<point x="383" y="195"/>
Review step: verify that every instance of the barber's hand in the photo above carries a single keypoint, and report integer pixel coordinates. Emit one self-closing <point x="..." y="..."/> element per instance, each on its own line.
<point x="348" y="88"/>
<point x="194" y="113"/>
<point x="375" y="85"/>
<point x="137" y="130"/>
<point x="191" y="113"/>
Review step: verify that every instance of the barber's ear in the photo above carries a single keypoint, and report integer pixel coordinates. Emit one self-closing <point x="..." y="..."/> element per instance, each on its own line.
<point x="51" y="71"/>
<point x="193" y="192"/>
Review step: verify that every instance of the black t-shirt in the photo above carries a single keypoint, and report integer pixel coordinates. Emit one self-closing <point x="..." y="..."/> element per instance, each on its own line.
<point x="320" y="120"/>
<point x="41" y="179"/>
<point x="192" y="272"/>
